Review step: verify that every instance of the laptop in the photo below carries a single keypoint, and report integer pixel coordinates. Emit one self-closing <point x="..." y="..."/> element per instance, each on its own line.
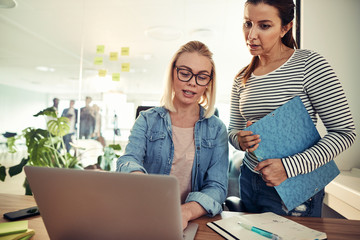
<point x="88" y="204"/>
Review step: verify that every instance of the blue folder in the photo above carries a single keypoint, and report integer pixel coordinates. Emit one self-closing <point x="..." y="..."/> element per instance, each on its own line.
<point x="285" y="132"/>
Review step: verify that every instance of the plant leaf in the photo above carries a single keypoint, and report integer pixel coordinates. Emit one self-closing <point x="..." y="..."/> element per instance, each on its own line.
<point x="115" y="146"/>
<point x="50" y="111"/>
<point x="59" y="127"/>
<point x="2" y="173"/>
<point x="11" y="144"/>
<point x="14" y="170"/>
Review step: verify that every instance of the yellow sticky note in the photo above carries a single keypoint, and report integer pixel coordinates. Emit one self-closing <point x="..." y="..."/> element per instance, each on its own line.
<point x="100" y="49"/>
<point x="125" y="67"/>
<point x="125" y="51"/>
<point x="113" y="56"/>
<point x="102" y="73"/>
<point x="116" y="77"/>
<point x="98" y="60"/>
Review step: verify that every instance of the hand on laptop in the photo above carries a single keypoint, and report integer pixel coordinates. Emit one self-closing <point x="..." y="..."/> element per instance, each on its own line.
<point x="191" y="211"/>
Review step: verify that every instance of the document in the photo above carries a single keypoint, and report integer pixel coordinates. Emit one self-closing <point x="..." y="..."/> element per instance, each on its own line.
<point x="229" y="228"/>
<point x="285" y="132"/>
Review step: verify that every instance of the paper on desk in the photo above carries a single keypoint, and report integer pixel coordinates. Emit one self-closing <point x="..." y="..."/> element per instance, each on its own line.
<point x="285" y="228"/>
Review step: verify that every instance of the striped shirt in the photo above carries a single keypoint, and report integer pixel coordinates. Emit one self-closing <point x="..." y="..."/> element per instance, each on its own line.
<point x="308" y="75"/>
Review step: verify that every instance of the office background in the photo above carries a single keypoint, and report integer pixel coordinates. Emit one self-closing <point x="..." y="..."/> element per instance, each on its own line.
<point x="48" y="49"/>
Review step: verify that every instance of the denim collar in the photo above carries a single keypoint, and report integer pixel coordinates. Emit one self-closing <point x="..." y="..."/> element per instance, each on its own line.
<point x="163" y="112"/>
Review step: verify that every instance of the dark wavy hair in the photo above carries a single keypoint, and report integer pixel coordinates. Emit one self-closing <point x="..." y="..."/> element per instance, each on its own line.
<point x="286" y="9"/>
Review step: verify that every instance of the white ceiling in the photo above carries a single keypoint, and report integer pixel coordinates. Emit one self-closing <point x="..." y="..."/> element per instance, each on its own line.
<point x="63" y="35"/>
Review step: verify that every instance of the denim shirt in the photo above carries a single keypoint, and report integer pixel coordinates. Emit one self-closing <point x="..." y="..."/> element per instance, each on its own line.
<point x="151" y="150"/>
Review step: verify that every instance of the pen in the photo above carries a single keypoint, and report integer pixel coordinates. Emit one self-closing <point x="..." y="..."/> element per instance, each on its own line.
<point x="260" y="231"/>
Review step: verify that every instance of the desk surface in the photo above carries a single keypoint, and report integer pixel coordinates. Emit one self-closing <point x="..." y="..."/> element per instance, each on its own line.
<point x="336" y="229"/>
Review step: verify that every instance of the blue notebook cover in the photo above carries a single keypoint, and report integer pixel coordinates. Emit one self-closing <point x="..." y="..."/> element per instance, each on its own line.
<point x="285" y="132"/>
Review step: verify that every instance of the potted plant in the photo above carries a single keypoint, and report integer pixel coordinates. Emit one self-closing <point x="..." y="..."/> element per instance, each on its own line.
<point x="45" y="147"/>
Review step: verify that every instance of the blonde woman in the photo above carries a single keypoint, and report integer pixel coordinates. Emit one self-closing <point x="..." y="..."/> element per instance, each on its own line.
<point x="183" y="138"/>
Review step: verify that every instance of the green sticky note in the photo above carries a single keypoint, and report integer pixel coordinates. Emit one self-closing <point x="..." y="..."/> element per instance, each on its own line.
<point x="98" y="60"/>
<point x="125" y="67"/>
<point x="116" y="77"/>
<point x="125" y="51"/>
<point x="19" y="236"/>
<point x="100" y="49"/>
<point x="7" y="228"/>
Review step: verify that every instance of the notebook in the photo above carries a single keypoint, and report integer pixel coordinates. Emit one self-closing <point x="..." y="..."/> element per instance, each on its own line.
<point x="283" y="228"/>
<point x="284" y="132"/>
<point x="87" y="204"/>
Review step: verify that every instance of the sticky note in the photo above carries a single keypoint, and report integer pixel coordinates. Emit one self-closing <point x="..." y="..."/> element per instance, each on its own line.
<point x="125" y="67"/>
<point x="113" y="56"/>
<point x="116" y="77"/>
<point x="102" y="73"/>
<point x="125" y="51"/>
<point x="98" y="60"/>
<point x="13" y="227"/>
<point x="100" y="49"/>
<point x="19" y="236"/>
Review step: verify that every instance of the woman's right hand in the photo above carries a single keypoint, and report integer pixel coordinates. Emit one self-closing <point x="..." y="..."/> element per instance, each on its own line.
<point x="247" y="141"/>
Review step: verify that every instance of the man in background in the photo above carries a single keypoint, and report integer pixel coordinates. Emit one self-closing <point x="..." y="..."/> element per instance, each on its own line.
<point x="71" y="113"/>
<point x="87" y="120"/>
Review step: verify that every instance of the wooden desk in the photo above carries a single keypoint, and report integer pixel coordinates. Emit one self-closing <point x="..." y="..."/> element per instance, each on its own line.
<point x="336" y="229"/>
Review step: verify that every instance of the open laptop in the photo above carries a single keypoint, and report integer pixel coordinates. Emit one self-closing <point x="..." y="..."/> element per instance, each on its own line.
<point x="87" y="204"/>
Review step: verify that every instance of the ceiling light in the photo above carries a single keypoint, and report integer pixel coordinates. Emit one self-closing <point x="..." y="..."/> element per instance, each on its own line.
<point x="163" y="33"/>
<point x="202" y="33"/>
<point x="148" y="56"/>
<point x="7" y="3"/>
<point x="45" y="69"/>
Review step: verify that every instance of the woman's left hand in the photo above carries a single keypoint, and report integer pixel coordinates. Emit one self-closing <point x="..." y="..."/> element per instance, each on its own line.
<point x="272" y="171"/>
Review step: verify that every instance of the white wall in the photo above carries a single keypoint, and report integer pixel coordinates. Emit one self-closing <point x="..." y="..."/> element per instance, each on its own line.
<point x="331" y="27"/>
<point x="18" y="107"/>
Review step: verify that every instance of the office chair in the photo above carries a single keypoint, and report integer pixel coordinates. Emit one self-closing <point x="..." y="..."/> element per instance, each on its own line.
<point x="141" y="108"/>
<point x="234" y="204"/>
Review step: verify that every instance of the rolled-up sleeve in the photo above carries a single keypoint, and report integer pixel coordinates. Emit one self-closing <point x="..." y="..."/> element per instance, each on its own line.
<point x="133" y="158"/>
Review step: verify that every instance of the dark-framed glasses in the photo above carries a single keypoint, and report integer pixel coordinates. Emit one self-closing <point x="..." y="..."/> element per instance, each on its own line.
<point x="185" y="75"/>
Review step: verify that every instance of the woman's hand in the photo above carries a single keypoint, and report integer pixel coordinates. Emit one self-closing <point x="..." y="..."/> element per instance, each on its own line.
<point x="186" y="216"/>
<point x="190" y="211"/>
<point x="247" y="141"/>
<point x="272" y="171"/>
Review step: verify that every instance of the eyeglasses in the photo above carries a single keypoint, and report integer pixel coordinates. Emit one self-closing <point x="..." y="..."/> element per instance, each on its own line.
<point x="185" y="75"/>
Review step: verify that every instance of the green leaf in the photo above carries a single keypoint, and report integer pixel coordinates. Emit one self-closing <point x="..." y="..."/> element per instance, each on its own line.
<point x="59" y="127"/>
<point x="50" y="112"/>
<point x="2" y="173"/>
<point x="14" y="170"/>
<point x="11" y="144"/>
<point x="105" y="161"/>
<point x="101" y="162"/>
<point x="115" y="146"/>
<point x="33" y="136"/>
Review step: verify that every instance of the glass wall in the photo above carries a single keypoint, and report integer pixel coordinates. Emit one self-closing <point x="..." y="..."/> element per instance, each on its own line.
<point x="114" y="52"/>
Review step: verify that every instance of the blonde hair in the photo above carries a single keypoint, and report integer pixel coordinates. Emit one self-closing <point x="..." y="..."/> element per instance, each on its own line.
<point x="207" y="100"/>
